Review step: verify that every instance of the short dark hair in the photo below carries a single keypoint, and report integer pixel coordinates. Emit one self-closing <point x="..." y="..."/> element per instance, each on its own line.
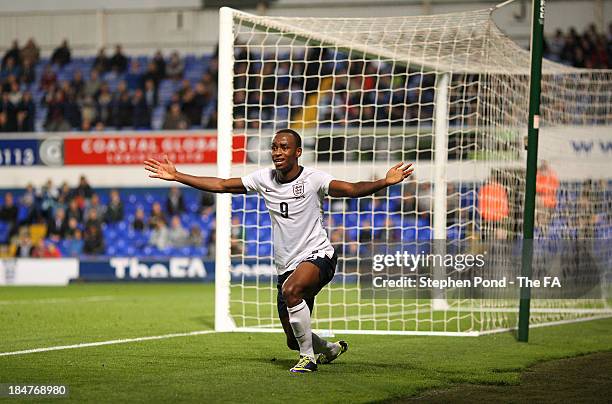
<point x="296" y="136"/>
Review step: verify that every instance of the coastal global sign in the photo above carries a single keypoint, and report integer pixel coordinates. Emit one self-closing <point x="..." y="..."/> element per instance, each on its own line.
<point x="128" y="149"/>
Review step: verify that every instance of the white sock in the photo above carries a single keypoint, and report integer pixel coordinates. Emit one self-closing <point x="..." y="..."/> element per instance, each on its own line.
<point x="299" y="318"/>
<point x="323" y="346"/>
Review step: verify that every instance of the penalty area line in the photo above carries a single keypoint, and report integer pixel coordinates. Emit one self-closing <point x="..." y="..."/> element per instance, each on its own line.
<point x="111" y="342"/>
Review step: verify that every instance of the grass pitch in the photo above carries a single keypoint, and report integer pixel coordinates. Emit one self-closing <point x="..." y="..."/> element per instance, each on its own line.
<point x="242" y="367"/>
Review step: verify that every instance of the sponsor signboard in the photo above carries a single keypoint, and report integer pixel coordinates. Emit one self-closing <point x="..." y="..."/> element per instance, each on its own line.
<point x="126" y="149"/>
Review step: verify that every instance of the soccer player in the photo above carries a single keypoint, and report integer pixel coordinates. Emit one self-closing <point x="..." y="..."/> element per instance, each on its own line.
<point x="303" y="255"/>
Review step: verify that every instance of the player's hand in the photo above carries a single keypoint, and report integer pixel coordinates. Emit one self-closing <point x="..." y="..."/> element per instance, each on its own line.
<point x="165" y="171"/>
<point x="398" y="173"/>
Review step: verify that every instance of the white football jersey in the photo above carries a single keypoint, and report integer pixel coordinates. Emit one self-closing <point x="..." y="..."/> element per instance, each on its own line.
<point x="296" y="213"/>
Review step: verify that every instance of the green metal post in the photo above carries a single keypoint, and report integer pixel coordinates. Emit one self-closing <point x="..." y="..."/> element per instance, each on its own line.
<point x="537" y="35"/>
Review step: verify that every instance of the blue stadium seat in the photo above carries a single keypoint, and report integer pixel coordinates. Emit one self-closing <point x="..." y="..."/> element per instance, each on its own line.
<point x="265" y="234"/>
<point x="424" y="233"/>
<point x="264" y="219"/>
<point x="237" y="202"/>
<point x="409" y="233"/>
<point x="265" y="249"/>
<point x="251" y="248"/>
<point x="250" y="219"/>
<point x="251" y="233"/>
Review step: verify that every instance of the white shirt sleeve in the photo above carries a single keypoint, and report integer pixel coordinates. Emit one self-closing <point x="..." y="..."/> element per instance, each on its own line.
<point x="322" y="182"/>
<point x="253" y="181"/>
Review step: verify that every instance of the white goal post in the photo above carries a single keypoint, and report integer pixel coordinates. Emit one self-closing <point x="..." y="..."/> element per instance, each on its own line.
<point x="447" y="92"/>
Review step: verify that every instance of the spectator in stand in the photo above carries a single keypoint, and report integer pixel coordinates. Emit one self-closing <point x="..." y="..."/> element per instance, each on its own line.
<point x="138" y="224"/>
<point x="10" y="69"/>
<point x="599" y="56"/>
<point x="74" y="212"/>
<point x="9" y="112"/>
<point x="157" y="215"/>
<point x="72" y="113"/>
<point x="58" y="226"/>
<point x="185" y="86"/>
<point x="28" y="73"/>
<point x="15" y="93"/>
<point x="9" y="213"/>
<point x="93" y="241"/>
<point x="152" y="74"/>
<point x="238" y="236"/>
<point x="114" y="212"/>
<point x="424" y="201"/>
<point x="134" y="76"/>
<point x="175" y="204"/>
<point x="75" y="244"/>
<point x="160" y="66"/>
<point x="4" y="122"/>
<point x="159" y="235"/>
<point x="89" y="110"/>
<point x="29" y="202"/>
<point x="63" y="191"/>
<point x="28" y="110"/>
<point x="177" y="235"/>
<point x="48" y="200"/>
<point x="175" y="119"/>
<point x="24" y="244"/>
<point x="207" y="203"/>
<point x="150" y="93"/>
<point x="12" y="53"/>
<point x="61" y="56"/>
<point x="196" y="238"/>
<point x="101" y="62"/>
<point x="175" y="68"/>
<point x="56" y="110"/>
<point x="92" y="86"/>
<point x="78" y="84"/>
<point x="119" y="61"/>
<point x="556" y="45"/>
<point x="30" y="53"/>
<point x="105" y="101"/>
<point x="45" y="250"/>
<point x="494" y="209"/>
<point x="141" y="116"/>
<point x="94" y="203"/>
<point x="209" y="86"/>
<point x="123" y="110"/>
<point x="71" y="228"/>
<point x="86" y="125"/>
<point x="192" y="106"/>
<point x="92" y="219"/>
<point x="547" y="186"/>
<point x="21" y="122"/>
<point x="83" y="191"/>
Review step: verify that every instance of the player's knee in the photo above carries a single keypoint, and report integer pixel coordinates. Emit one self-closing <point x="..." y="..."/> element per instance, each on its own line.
<point x="292" y="294"/>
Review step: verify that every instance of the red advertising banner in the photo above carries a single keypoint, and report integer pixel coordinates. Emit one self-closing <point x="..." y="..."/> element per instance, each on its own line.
<point x="188" y="148"/>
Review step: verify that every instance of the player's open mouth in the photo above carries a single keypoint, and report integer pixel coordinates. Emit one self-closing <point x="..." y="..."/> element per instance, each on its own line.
<point x="278" y="161"/>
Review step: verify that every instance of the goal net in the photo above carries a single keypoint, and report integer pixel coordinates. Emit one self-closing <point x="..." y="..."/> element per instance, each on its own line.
<point x="449" y="93"/>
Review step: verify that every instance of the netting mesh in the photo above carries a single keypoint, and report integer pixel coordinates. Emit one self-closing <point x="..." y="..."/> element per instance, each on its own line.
<point x="367" y="93"/>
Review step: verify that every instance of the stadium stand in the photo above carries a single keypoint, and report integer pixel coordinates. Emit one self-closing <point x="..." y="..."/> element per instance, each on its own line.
<point x="145" y="221"/>
<point x="132" y="221"/>
<point x="135" y="91"/>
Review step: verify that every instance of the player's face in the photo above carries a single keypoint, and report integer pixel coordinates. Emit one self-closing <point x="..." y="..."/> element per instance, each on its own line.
<point x="285" y="153"/>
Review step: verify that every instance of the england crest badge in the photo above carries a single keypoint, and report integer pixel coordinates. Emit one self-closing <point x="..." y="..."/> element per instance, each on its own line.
<point x="298" y="190"/>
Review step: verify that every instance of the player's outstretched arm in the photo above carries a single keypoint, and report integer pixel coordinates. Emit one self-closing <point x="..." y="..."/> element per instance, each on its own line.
<point x="396" y="174"/>
<point x="168" y="172"/>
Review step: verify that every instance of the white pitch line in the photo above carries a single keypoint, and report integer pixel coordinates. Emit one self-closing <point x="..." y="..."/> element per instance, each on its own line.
<point x="58" y="300"/>
<point x="111" y="342"/>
